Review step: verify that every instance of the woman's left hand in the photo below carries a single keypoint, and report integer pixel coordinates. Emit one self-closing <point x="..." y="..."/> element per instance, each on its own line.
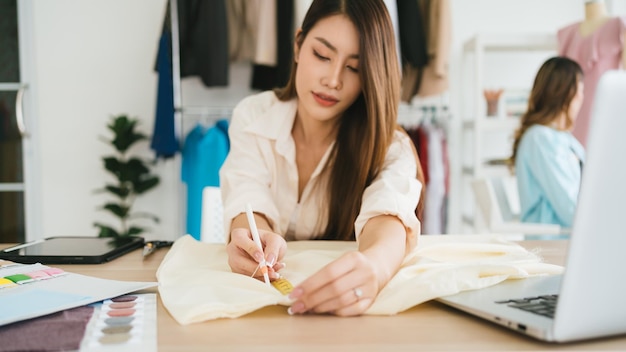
<point x="345" y="287"/>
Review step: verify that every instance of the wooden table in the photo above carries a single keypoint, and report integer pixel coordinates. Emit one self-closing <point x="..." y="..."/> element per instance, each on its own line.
<point x="429" y="327"/>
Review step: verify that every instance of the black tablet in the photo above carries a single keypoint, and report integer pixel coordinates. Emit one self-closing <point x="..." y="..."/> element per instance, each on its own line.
<point x="71" y="250"/>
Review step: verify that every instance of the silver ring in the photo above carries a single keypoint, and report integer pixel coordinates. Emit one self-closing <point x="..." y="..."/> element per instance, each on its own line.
<point x="358" y="293"/>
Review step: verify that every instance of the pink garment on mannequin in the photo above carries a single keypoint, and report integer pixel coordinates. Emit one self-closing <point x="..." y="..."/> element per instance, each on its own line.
<point x="595" y="53"/>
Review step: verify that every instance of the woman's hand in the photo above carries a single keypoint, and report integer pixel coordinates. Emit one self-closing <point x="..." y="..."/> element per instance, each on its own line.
<point x="345" y="287"/>
<point x="349" y="285"/>
<point x="244" y="255"/>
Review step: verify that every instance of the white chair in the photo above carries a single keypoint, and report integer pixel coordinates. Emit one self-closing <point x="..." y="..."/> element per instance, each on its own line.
<point x="498" y="201"/>
<point x="212" y="218"/>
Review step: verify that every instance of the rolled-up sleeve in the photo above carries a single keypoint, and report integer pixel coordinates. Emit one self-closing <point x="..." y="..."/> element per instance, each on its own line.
<point x="245" y="175"/>
<point x="395" y="191"/>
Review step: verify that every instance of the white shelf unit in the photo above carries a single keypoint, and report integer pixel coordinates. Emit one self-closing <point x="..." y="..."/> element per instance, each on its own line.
<point x="477" y="129"/>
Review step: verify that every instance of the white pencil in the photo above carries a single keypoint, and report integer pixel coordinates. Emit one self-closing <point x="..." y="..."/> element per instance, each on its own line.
<point x="257" y="240"/>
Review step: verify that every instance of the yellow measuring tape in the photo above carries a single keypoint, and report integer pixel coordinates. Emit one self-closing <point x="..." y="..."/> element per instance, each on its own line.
<point x="283" y="285"/>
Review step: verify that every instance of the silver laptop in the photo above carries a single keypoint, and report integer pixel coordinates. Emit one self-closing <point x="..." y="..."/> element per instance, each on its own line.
<point x="587" y="301"/>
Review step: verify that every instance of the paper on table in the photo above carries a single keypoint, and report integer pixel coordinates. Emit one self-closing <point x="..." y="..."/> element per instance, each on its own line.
<point x="48" y="296"/>
<point x="196" y="284"/>
<point x="32" y="302"/>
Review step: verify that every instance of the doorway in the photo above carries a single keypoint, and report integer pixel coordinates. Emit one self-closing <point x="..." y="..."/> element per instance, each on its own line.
<point x="12" y="132"/>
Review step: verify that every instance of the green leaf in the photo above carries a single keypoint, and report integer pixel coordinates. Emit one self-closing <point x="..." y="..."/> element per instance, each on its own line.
<point x="118" y="210"/>
<point x="123" y="128"/>
<point x="121" y="192"/>
<point x="146" y="184"/>
<point x="132" y="170"/>
<point x="113" y="165"/>
<point x="137" y="165"/>
<point x="132" y="173"/>
<point x="134" y="231"/>
<point x="106" y="231"/>
<point x="144" y="215"/>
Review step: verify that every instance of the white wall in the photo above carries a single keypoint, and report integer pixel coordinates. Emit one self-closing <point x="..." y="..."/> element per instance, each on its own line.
<point x="94" y="59"/>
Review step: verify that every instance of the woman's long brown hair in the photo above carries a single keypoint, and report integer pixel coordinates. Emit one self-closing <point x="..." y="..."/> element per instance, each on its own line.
<point x="367" y="127"/>
<point x="553" y="90"/>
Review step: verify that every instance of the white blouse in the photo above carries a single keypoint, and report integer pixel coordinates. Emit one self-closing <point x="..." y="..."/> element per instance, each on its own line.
<point x="261" y="170"/>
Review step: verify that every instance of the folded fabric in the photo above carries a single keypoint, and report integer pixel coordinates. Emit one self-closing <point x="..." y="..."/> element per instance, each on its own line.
<point x="196" y="283"/>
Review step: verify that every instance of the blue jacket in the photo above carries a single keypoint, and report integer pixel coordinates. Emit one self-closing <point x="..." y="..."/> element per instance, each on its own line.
<point x="548" y="167"/>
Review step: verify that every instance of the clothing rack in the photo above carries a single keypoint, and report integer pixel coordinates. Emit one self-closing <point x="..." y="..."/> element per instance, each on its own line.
<point x="426" y="122"/>
<point x="185" y="117"/>
<point x="411" y="116"/>
<point x="206" y="110"/>
<point x="207" y="116"/>
<point x="178" y="109"/>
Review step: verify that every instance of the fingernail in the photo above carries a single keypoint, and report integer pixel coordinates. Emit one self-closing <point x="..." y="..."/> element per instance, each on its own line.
<point x="296" y="308"/>
<point x="258" y="256"/>
<point x="296" y="293"/>
<point x="270" y="259"/>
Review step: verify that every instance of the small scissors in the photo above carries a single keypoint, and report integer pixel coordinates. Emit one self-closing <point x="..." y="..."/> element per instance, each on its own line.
<point x="151" y="246"/>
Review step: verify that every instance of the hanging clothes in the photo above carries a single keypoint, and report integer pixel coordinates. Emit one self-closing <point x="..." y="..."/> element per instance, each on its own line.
<point x="412" y="38"/>
<point x="265" y="50"/>
<point x="435" y="190"/>
<point x="429" y="138"/>
<point x="432" y="79"/>
<point x="203" y="52"/>
<point x="242" y="17"/>
<point x="203" y="40"/>
<point x="203" y="36"/>
<point x="164" y="141"/>
<point x="435" y="79"/>
<point x="272" y="63"/>
<point x="203" y="154"/>
<point x="421" y="174"/>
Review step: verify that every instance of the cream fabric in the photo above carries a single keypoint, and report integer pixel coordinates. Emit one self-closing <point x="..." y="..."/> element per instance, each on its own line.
<point x="196" y="284"/>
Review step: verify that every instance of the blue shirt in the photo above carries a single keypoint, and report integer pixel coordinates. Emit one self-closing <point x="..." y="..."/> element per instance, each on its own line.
<point x="548" y="167"/>
<point x="203" y="153"/>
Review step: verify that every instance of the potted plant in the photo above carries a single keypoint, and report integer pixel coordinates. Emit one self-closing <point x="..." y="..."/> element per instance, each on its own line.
<point x="133" y="177"/>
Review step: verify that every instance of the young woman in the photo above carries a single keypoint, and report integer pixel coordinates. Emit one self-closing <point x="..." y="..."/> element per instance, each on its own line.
<point x="548" y="159"/>
<point x="323" y="158"/>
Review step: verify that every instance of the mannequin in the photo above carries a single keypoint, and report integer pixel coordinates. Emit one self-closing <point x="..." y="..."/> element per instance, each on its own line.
<point x="598" y="44"/>
<point x="595" y="17"/>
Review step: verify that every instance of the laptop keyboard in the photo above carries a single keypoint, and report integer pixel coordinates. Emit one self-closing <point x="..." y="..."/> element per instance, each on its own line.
<point x="542" y="305"/>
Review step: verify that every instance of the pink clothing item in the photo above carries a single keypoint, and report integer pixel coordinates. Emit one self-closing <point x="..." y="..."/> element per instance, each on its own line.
<point x="596" y="53"/>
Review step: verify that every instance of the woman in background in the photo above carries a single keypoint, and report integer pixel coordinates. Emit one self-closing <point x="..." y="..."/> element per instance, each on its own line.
<point x="323" y="158"/>
<point x="547" y="159"/>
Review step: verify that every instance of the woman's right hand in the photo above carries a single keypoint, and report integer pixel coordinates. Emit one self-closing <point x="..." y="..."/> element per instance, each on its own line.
<point x="244" y="255"/>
